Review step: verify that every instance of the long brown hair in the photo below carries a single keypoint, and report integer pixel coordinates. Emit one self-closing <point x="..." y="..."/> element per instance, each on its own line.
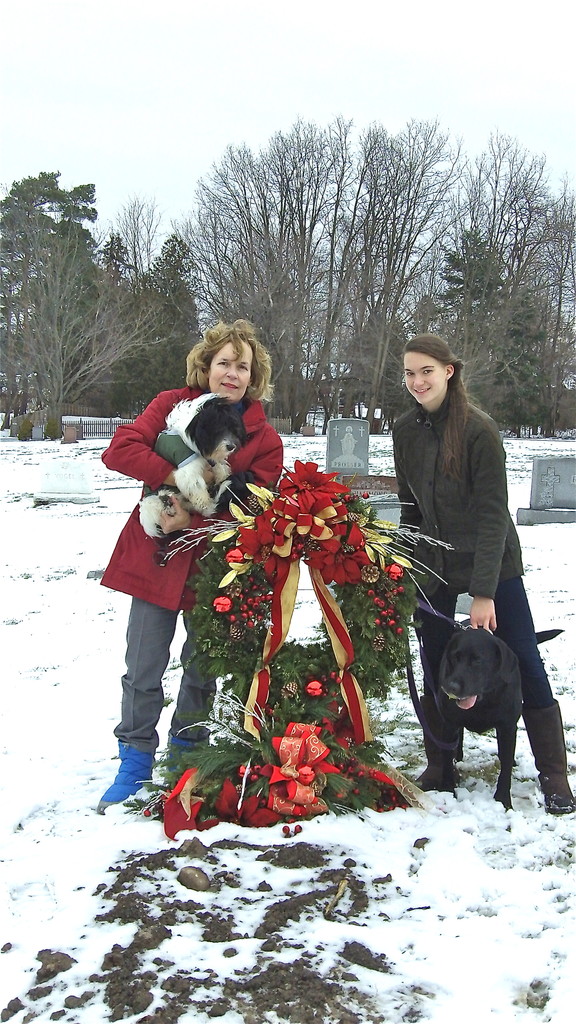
<point x="458" y="401"/>
<point x="240" y="333"/>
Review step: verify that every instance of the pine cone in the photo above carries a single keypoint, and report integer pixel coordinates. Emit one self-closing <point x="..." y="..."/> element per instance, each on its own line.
<point x="290" y="689"/>
<point x="237" y="631"/>
<point x="370" y="573"/>
<point x="379" y="642"/>
<point x="234" y="589"/>
<point x="253" y="504"/>
<point x="319" y="783"/>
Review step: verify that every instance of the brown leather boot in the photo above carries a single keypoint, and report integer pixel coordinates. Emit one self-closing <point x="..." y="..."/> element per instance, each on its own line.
<point x="546" y="736"/>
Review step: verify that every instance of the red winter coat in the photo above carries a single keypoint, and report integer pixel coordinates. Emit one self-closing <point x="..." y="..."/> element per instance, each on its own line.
<point x="132" y="568"/>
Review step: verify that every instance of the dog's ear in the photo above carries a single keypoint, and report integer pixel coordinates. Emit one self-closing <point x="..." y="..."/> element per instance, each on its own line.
<point x="500" y="649"/>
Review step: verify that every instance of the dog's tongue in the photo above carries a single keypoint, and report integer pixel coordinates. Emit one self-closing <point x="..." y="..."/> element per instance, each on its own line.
<point x="466" y="702"/>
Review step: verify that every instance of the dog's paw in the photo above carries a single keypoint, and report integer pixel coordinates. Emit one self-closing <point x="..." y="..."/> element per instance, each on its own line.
<point x="151" y="508"/>
<point x="190" y="480"/>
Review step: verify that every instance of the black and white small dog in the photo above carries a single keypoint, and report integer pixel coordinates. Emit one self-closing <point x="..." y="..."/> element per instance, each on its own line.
<point x="200" y="434"/>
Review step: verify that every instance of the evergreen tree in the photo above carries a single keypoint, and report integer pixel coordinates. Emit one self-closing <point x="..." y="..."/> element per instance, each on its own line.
<point x="41" y="225"/>
<point x="515" y="397"/>
<point x="168" y="289"/>
<point x="470" y="303"/>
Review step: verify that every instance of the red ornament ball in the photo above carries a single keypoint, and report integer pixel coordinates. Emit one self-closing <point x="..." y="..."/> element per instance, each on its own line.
<point x="314" y="688"/>
<point x="234" y="555"/>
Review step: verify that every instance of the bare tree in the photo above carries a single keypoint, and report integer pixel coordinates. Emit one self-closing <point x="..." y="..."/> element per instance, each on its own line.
<point x="408" y="181"/>
<point x="80" y="322"/>
<point x="558" y="282"/>
<point x="138" y="225"/>
<point x="272" y="241"/>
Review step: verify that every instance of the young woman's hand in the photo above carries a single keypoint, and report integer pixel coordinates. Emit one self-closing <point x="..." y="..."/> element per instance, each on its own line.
<point x="179" y="519"/>
<point x="483" y="613"/>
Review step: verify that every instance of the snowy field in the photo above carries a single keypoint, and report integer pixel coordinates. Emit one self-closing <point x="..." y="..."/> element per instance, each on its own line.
<point x="473" y="908"/>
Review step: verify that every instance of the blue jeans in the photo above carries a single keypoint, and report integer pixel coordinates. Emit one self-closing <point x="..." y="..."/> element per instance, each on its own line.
<point x="149" y="635"/>
<point x="515" y="627"/>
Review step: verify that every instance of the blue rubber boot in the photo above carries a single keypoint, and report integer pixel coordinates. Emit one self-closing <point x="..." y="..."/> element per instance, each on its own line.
<point x="135" y="770"/>
<point x="177" y="750"/>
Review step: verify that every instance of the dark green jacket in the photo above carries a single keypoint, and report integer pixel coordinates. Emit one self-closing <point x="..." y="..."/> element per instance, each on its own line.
<point x="471" y="514"/>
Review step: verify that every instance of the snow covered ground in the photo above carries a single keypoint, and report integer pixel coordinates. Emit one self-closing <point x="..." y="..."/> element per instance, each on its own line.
<point x="462" y="911"/>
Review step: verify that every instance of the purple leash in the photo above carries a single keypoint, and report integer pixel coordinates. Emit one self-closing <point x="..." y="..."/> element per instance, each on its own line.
<point x="425" y="606"/>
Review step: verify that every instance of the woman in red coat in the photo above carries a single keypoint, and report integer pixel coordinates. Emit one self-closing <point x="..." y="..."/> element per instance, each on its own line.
<point x="232" y="363"/>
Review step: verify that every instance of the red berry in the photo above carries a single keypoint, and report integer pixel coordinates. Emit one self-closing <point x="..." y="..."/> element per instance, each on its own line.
<point x="147" y="812"/>
<point x="297" y="829"/>
<point x="286" y="830"/>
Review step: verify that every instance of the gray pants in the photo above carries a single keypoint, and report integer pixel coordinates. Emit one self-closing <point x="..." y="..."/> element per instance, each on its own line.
<point x="149" y="635"/>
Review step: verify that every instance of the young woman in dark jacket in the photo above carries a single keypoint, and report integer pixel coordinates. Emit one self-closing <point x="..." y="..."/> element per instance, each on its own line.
<point x="450" y="467"/>
<point x="230" y="362"/>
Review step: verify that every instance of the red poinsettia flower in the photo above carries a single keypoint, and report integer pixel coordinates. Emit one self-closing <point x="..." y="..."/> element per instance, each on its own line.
<point x="250" y="812"/>
<point x="310" y="487"/>
<point x="337" y="565"/>
<point x="176" y="818"/>
<point x="355" y="538"/>
<point x="260" y="535"/>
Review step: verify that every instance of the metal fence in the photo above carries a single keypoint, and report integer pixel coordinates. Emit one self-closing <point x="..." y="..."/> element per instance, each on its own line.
<point x="93" y="426"/>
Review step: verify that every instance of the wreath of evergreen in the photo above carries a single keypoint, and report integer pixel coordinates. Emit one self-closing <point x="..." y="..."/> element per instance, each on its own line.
<point x="305" y="746"/>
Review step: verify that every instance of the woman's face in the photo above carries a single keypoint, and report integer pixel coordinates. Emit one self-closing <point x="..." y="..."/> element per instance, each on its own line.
<point x="228" y="376"/>
<point x="426" y="379"/>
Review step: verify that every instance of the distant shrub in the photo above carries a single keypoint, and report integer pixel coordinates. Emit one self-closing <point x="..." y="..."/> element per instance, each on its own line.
<point x="52" y="430"/>
<point x="25" y="430"/>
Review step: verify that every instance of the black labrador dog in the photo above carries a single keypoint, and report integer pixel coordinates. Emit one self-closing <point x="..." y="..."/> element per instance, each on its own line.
<point x="480" y="690"/>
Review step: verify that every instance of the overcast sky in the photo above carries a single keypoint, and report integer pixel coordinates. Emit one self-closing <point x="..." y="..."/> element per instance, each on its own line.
<point x="142" y="98"/>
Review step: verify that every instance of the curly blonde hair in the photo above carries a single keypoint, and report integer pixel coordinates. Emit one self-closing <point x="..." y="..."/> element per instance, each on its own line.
<point x="240" y="333"/>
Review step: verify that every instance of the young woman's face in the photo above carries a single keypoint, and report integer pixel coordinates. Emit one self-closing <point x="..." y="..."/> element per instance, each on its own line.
<point x="228" y="376"/>
<point x="426" y="379"/>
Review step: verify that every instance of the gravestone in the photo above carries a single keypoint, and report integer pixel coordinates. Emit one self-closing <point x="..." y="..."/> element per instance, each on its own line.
<point x="380" y="491"/>
<point x="347" y="446"/>
<point x="552" y="494"/>
<point x="38" y="433"/>
<point x="65" y="480"/>
<point x="70" y="434"/>
<point x="347" y="454"/>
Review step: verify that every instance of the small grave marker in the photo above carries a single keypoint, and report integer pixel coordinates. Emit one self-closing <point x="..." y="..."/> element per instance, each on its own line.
<point x="65" y="480"/>
<point x="552" y="494"/>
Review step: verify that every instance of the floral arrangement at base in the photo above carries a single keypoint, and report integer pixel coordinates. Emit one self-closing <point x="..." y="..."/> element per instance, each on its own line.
<point x="290" y="731"/>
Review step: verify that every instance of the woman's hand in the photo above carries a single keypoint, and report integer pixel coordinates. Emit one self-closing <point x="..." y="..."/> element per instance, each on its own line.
<point x="483" y="613"/>
<point x="179" y="519"/>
